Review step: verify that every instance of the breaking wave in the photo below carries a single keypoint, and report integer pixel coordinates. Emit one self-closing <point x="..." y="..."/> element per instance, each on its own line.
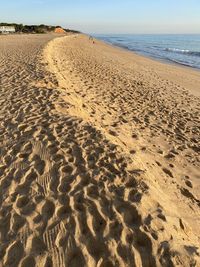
<point x="183" y="51"/>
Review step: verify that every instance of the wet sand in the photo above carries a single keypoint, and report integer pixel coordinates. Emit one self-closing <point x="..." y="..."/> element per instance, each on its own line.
<point x="99" y="156"/>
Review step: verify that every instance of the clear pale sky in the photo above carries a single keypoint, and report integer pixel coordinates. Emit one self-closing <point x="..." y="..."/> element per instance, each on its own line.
<point x="107" y="16"/>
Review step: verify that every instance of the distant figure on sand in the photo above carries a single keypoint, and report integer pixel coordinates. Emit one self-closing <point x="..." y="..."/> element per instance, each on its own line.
<point x="91" y="39"/>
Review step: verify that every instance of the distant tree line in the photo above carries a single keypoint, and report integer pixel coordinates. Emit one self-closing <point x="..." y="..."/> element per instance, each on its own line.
<point x="35" y="28"/>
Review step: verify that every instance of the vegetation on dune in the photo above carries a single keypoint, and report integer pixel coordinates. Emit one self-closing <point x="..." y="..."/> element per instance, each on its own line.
<point x="35" y="28"/>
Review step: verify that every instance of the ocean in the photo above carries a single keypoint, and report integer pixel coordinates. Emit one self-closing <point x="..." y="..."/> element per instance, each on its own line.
<point x="180" y="49"/>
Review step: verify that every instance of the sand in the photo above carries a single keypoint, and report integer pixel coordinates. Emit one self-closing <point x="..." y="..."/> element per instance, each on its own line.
<point x="99" y="156"/>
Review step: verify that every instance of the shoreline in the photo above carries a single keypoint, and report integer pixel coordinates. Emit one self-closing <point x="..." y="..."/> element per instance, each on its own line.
<point x="164" y="61"/>
<point x="179" y="68"/>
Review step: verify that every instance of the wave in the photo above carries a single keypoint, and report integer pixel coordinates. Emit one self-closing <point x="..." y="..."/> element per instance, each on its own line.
<point x="186" y="57"/>
<point x="122" y="45"/>
<point x="179" y="62"/>
<point x="183" y="51"/>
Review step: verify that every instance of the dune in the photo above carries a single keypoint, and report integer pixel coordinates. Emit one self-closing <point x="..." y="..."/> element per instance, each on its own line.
<point x="99" y="156"/>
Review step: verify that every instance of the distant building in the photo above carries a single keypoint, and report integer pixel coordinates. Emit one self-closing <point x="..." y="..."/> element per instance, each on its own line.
<point x="7" y="29"/>
<point x="59" y="30"/>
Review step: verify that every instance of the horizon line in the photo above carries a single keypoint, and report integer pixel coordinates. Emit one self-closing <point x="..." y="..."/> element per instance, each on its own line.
<point x="142" y="33"/>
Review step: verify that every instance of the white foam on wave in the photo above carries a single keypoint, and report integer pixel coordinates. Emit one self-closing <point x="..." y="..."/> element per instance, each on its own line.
<point x="178" y="50"/>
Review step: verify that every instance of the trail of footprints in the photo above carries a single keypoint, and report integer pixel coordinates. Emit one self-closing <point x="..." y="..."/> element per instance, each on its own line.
<point x="62" y="184"/>
<point x="54" y="186"/>
<point x="118" y="97"/>
<point x="153" y="110"/>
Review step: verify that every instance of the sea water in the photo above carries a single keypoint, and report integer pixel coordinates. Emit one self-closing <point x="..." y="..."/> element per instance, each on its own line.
<point x="177" y="48"/>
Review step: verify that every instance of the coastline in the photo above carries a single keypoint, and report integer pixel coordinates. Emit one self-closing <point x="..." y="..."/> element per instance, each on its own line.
<point x="176" y="67"/>
<point x="99" y="156"/>
<point x="156" y="58"/>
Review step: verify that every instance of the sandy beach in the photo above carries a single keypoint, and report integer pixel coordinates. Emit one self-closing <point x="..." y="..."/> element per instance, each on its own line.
<point x="99" y="156"/>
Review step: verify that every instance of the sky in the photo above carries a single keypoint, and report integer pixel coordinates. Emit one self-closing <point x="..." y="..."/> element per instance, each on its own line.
<point x="107" y="16"/>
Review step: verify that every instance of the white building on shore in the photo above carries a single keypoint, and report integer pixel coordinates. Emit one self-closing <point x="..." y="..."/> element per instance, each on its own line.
<point x="7" y="29"/>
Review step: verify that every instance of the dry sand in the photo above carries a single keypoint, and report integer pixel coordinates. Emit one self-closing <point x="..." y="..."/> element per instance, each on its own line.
<point x="99" y="156"/>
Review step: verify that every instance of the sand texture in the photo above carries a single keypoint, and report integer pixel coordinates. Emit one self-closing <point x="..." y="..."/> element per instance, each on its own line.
<point x="99" y="156"/>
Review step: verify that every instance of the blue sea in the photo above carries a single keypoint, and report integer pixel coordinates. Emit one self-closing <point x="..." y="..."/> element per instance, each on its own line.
<point x="180" y="49"/>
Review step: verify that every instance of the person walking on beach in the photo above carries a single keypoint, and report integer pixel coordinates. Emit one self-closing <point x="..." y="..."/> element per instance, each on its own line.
<point x="91" y="39"/>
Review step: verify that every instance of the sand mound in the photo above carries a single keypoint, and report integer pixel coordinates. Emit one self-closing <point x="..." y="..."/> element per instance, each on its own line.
<point x="129" y="99"/>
